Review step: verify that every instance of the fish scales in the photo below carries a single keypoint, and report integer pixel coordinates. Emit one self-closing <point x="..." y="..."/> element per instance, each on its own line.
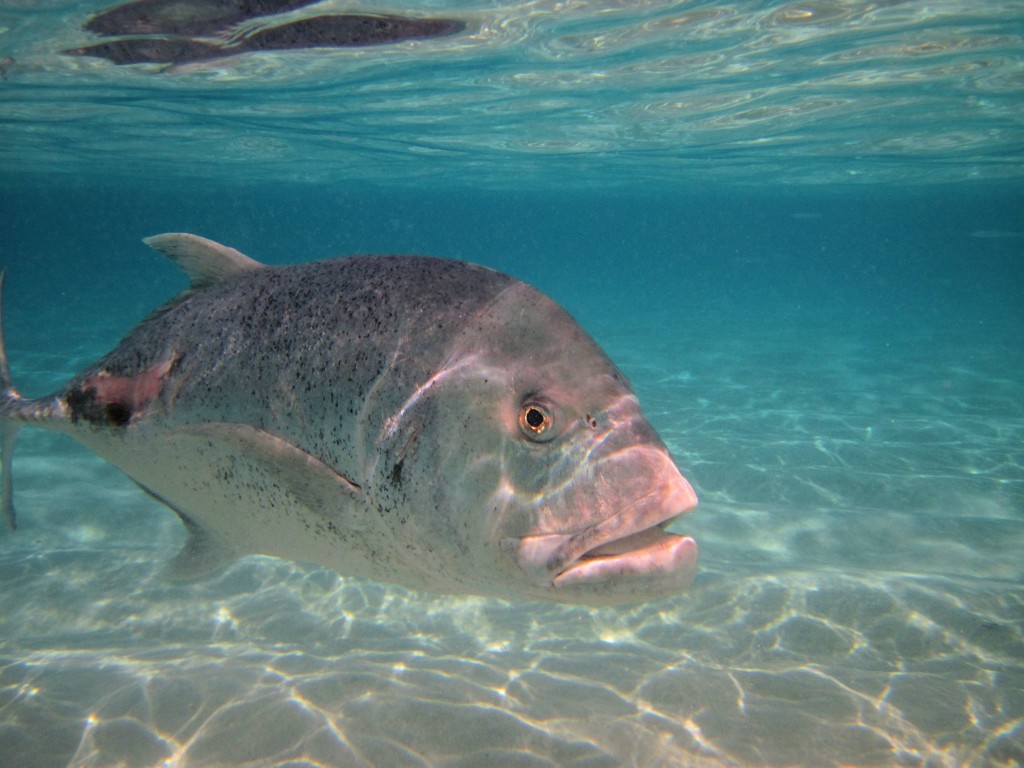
<point x="307" y="335"/>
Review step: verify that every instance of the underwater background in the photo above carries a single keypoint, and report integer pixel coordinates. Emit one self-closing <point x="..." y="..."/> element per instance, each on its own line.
<point x="797" y="227"/>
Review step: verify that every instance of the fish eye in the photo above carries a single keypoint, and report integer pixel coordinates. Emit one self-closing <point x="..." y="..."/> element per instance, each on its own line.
<point x="535" y="421"/>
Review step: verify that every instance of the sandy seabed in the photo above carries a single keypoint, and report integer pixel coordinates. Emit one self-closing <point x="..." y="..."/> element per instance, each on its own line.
<point x="859" y="602"/>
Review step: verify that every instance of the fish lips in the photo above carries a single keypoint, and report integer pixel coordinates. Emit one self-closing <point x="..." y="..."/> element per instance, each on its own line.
<point x="627" y="556"/>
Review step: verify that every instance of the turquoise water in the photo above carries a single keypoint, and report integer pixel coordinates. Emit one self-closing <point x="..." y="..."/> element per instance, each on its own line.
<point x="797" y="227"/>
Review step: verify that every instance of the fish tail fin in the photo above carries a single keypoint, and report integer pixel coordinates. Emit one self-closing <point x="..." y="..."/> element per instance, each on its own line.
<point x="8" y="433"/>
<point x="9" y="427"/>
<point x="15" y="412"/>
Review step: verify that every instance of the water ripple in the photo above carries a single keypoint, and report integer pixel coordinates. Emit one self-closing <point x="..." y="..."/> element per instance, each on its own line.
<point x="788" y="84"/>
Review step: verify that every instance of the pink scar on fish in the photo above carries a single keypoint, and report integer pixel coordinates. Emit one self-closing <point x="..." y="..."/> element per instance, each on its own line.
<point x="111" y="399"/>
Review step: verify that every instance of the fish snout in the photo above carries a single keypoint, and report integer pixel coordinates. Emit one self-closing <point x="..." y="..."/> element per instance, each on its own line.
<point x="623" y="552"/>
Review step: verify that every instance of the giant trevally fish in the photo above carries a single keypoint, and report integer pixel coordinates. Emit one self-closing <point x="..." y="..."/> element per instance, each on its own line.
<point x="413" y="420"/>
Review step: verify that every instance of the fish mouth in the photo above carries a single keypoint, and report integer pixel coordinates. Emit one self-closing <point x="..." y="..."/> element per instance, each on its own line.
<point x="651" y="553"/>
<point x="628" y="556"/>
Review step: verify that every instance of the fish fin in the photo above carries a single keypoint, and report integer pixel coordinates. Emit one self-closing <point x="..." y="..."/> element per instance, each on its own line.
<point x="303" y="475"/>
<point x="8" y="428"/>
<point x="8" y="433"/>
<point x="201" y="553"/>
<point x="5" y="371"/>
<point x="205" y="262"/>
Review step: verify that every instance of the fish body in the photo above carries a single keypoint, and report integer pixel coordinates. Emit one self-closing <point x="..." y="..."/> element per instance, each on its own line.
<point x="408" y="419"/>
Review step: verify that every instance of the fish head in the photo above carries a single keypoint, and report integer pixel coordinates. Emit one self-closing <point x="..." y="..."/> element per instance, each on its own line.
<point x="553" y="478"/>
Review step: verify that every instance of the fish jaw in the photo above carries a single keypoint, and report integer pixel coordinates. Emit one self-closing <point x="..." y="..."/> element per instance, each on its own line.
<point x="667" y="563"/>
<point x="627" y="557"/>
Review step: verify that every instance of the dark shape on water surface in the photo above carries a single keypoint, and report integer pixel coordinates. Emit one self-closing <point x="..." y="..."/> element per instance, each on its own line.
<point x="184" y="17"/>
<point x="333" y="31"/>
<point x="152" y="50"/>
<point x="348" y="30"/>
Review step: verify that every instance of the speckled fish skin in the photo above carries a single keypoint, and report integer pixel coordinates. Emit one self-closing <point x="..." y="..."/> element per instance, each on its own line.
<point x="413" y="420"/>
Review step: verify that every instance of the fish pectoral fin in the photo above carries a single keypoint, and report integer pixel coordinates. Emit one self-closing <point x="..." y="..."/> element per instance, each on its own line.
<point x="305" y="477"/>
<point x="204" y="261"/>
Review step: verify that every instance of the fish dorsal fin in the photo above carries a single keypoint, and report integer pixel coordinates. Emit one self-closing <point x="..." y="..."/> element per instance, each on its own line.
<point x="205" y="262"/>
